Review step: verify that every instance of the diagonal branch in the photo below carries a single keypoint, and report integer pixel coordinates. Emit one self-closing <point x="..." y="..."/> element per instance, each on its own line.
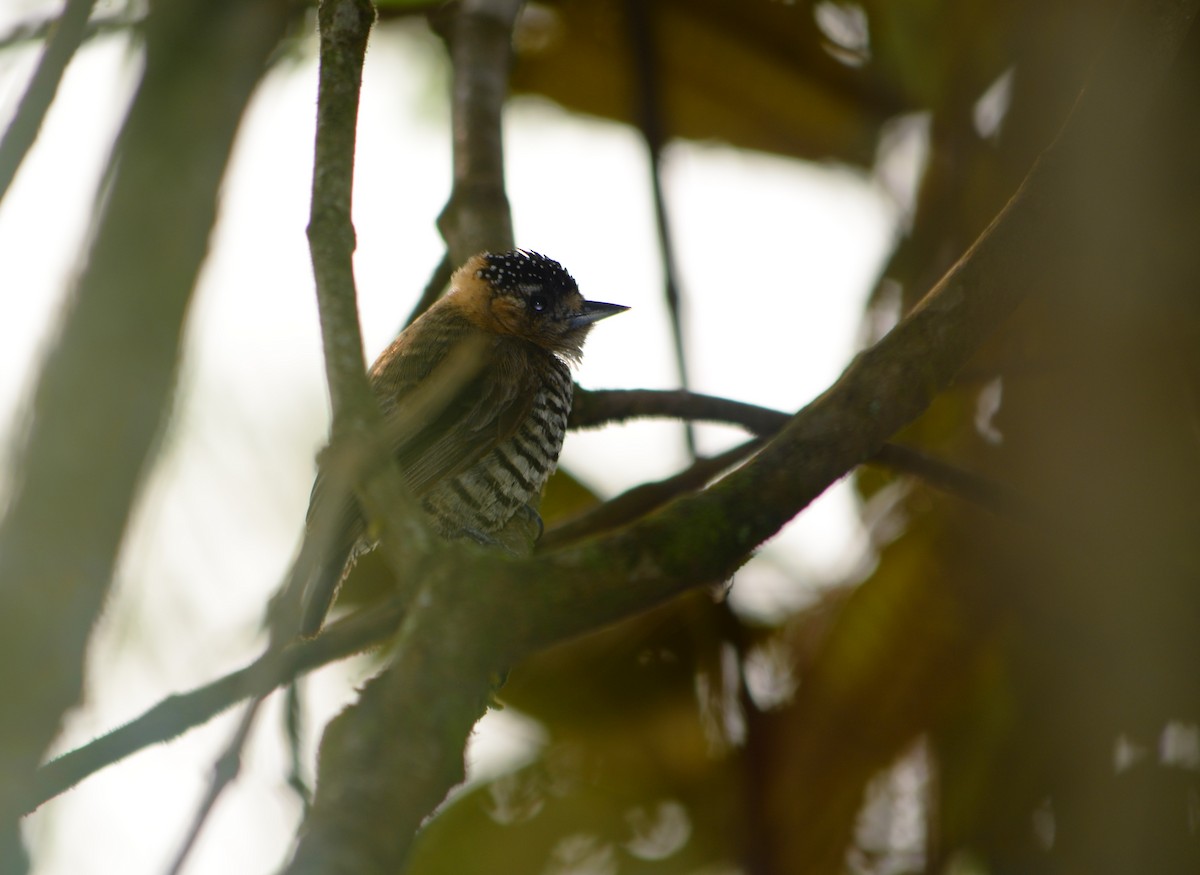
<point x="94" y="429"/>
<point x="596" y="407"/>
<point x="438" y="281"/>
<point x="644" y="498"/>
<point x="180" y="712"/>
<point x="65" y="36"/>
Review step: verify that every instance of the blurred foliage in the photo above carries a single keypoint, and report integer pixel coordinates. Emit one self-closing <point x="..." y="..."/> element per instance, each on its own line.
<point x="965" y="707"/>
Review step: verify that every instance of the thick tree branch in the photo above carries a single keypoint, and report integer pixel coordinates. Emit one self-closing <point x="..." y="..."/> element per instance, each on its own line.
<point x="104" y="391"/>
<point x="372" y="794"/>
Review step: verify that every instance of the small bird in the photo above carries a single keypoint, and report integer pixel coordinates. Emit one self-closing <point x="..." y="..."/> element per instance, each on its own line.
<point x="482" y="456"/>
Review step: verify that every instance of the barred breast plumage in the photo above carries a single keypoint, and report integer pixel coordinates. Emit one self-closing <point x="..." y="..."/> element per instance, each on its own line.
<point x="482" y="499"/>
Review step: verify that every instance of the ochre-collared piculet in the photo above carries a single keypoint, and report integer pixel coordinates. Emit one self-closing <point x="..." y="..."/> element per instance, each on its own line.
<point x="484" y="453"/>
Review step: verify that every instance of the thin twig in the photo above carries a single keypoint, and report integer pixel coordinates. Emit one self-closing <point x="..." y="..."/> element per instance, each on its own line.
<point x="294" y="728"/>
<point x="224" y="771"/>
<point x="36" y="31"/>
<point x="357" y="422"/>
<point x="65" y="37"/>
<point x="642" y="499"/>
<point x="596" y="407"/>
<point x="180" y="712"/>
<point x="344" y="28"/>
<point x="640" y="24"/>
<point x="995" y="497"/>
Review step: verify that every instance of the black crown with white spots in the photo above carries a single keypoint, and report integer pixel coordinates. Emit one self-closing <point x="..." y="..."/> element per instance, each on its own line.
<point x="523" y="271"/>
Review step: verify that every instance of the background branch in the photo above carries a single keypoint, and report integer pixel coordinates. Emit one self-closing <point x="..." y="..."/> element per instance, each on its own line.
<point x="65" y="36"/>
<point x="40" y="29"/>
<point x="597" y="407"/>
<point x="180" y="712"/>
<point x="102" y="396"/>
<point x="438" y="281"/>
<point x="643" y="36"/>
<point x="479" y="36"/>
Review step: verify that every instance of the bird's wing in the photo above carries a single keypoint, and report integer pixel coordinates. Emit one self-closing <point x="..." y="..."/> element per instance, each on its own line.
<point x="468" y="407"/>
<point x="450" y="394"/>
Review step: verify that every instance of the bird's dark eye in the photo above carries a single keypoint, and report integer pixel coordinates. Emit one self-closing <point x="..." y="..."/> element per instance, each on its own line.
<point x="539" y="303"/>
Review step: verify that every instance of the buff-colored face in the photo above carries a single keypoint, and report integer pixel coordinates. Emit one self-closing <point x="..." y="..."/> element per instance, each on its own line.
<point x="530" y="296"/>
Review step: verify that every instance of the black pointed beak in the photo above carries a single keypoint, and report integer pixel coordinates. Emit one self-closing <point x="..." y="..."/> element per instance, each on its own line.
<point x="594" y="311"/>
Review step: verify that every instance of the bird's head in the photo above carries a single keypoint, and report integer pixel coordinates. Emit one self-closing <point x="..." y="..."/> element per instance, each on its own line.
<point x="527" y="295"/>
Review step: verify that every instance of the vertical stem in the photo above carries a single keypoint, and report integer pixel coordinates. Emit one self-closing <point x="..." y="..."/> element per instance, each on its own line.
<point x="345" y="26"/>
<point x="639" y="17"/>
<point x="477" y="216"/>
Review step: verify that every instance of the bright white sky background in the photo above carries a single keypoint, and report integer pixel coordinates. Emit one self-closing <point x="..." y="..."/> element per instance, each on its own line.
<point x="226" y="503"/>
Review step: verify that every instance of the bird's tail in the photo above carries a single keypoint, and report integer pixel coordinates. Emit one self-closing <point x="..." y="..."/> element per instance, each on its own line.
<point x="317" y="572"/>
<point x="323" y="584"/>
